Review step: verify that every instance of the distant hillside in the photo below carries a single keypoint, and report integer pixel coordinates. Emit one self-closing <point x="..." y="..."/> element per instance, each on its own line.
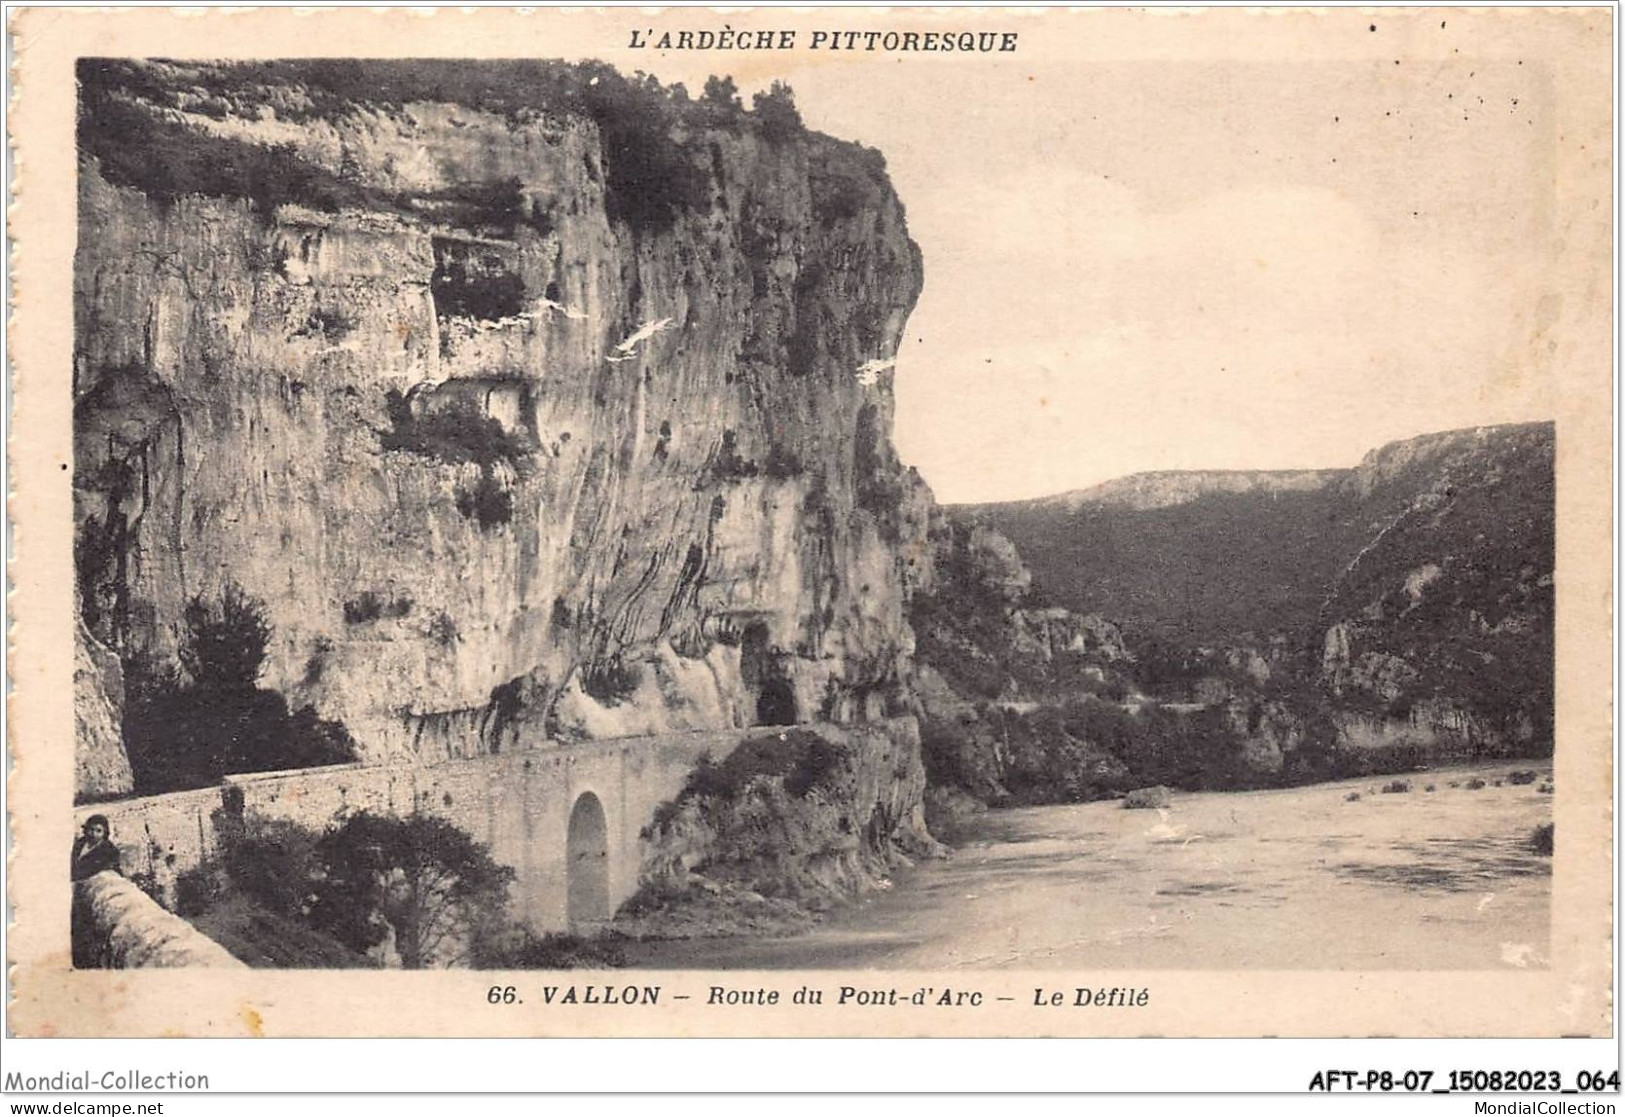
<point x="1207" y="556"/>
<point x="1163" y="489"/>
<point x="1451" y="600"/>
<point x="1242" y="629"/>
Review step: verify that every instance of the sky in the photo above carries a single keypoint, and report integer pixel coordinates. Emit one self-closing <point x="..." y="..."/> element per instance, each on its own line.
<point x="1171" y="250"/>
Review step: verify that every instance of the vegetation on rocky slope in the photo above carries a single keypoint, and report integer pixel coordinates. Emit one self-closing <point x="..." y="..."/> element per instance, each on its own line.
<point x="133" y="121"/>
<point x="1382" y="620"/>
<point x="368" y="890"/>
<point x="788" y="823"/>
<point x="1212" y="568"/>
<point x="187" y="725"/>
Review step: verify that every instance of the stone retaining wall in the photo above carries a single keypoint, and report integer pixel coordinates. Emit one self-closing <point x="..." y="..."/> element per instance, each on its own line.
<point x="118" y="926"/>
<point x="519" y="803"/>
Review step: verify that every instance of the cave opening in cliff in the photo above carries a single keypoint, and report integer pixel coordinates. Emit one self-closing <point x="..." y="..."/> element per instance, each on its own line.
<point x="762" y="670"/>
<point x="475" y="280"/>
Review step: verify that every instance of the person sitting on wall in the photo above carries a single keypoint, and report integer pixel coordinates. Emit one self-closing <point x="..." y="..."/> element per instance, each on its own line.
<point x="94" y="850"/>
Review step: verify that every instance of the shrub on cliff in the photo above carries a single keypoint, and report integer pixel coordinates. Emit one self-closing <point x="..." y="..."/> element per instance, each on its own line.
<point x="846" y="179"/>
<point x="649" y="177"/>
<point x="776" y="113"/>
<point x="371" y="605"/>
<point x="226" y="646"/>
<point x="153" y="152"/>
<point x="1540" y="841"/>
<point x="487" y="503"/>
<point x="131" y="122"/>
<point x="786" y="815"/>
<point x="455" y="435"/>
<point x="425" y="879"/>
<point x="799" y="759"/>
<point x="726" y="462"/>
<point x="783" y="463"/>
<point x="188" y="730"/>
<point x="494" y="208"/>
<point x="517" y="948"/>
<point x="610" y="681"/>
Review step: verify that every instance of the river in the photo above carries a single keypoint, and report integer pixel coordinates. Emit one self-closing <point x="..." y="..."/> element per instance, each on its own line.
<point x="1305" y="878"/>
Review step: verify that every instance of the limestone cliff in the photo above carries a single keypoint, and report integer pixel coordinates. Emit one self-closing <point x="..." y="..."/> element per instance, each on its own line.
<point x="1441" y="626"/>
<point x="102" y="769"/>
<point x="531" y="408"/>
<point x="1143" y="492"/>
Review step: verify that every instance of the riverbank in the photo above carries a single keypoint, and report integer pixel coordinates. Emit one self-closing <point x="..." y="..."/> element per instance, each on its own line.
<point x="1300" y="878"/>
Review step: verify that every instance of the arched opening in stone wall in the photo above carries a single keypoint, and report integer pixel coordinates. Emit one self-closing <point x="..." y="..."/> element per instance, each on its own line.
<point x="764" y="677"/>
<point x="586" y="853"/>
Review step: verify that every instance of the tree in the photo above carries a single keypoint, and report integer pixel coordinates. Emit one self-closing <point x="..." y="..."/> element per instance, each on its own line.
<point x="776" y="109"/>
<point x="722" y="92"/>
<point x="649" y="177"/>
<point x="227" y="646"/>
<point x="183" y="732"/>
<point x="430" y="882"/>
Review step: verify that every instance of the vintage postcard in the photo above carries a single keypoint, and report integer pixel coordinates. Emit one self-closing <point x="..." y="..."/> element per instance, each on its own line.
<point x="817" y="522"/>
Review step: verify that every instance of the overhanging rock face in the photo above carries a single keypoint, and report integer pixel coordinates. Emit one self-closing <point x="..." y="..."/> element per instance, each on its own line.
<point x="503" y="456"/>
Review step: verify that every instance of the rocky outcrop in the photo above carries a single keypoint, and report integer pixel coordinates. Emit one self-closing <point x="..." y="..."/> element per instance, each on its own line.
<point x="102" y="768"/>
<point x="982" y="633"/>
<point x="1268" y="732"/>
<point x="994" y="562"/>
<point x="812" y="815"/>
<point x="510" y="435"/>
<point x="1055" y="633"/>
<point x="1441" y="624"/>
<point x="1148" y="799"/>
<point x="1384" y="677"/>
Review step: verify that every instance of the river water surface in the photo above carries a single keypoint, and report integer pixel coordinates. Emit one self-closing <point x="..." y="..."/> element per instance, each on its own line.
<point x="1295" y="879"/>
